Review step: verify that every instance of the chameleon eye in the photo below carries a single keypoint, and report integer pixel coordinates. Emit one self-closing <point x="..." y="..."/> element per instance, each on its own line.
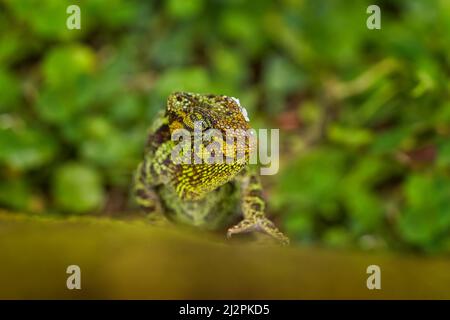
<point x="197" y="118"/>
<point x="206" y="124"/>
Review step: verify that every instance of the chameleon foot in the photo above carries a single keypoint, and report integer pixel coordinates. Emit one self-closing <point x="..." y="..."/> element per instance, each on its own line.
<point x="259" y="224"/>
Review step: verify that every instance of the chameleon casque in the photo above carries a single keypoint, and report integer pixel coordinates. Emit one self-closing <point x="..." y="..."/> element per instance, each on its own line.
<point x="206" y="195"/>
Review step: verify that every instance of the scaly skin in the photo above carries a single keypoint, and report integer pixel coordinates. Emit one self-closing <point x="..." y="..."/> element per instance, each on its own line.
<point x="206" y="195"/>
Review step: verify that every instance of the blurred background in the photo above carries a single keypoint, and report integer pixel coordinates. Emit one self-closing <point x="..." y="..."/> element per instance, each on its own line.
<point x="364" y="115"/>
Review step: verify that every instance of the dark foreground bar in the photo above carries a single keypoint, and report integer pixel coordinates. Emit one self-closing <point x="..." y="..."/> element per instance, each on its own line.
<point x="231" y="309"/>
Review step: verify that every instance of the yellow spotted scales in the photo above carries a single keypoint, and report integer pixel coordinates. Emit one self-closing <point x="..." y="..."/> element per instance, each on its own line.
<point x="206" y="195"/>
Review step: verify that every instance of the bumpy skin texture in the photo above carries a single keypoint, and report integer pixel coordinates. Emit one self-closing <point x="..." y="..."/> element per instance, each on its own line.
<point x="205" y="195"/>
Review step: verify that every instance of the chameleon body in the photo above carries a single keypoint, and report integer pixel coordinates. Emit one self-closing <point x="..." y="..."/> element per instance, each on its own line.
<point x="205" y="195"/>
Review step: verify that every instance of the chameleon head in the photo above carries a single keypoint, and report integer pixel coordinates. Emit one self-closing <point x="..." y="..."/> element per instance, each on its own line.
<point x="225" y="115"/>
<point x="213" y="111"/>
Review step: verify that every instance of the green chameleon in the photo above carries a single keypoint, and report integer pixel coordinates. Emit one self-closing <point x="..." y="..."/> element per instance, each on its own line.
<point x="206" y="195"/>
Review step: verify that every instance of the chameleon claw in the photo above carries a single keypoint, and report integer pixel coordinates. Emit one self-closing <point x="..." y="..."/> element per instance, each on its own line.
<point x="244" y="226"/>
<point x="261" y="225"/>
<point x="269" y="228"/>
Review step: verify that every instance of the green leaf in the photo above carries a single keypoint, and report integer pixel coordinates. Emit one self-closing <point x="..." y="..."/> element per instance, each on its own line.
<point x="77" y="188"/>
<point x="15" y="193"/>
<point x="64" y="66"/>
<point x="353" y="137"/>
<point x="184" y="9"/>
<point x="10" y="91"/>
<point x="24" y="148"/>
<point x="426" y="217"/>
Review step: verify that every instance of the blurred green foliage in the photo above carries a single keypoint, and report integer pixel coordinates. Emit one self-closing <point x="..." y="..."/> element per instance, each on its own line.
<point x="364" y="114"/>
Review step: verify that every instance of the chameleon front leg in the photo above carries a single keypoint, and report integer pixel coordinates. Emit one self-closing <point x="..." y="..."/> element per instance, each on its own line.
<point x="253" y="206"/>
<point x="143" y="185"/>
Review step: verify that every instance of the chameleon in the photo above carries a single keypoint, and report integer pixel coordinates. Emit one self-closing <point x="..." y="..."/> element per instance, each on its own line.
<point x="210" y="196"/>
